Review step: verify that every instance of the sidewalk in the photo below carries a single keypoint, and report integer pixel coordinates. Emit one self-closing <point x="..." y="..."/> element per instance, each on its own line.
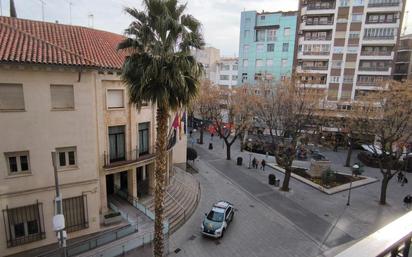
<point x="361" y="218"/>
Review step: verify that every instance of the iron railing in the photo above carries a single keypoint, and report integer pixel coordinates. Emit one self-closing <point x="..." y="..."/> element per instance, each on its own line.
<point x="378" y="37"/>
<point x="314" y="67"/>
<point x="31" y="219"/>
<point x="383" y="3"/>
<point x="328" y="22"/>
<point x="374" y="68"/>
<point x="321" y="7"/>
<point x="76" y="213"/>
<point x="316" y="53"/>
<point x="135" y="155"/>
<point x="375" y="53"/>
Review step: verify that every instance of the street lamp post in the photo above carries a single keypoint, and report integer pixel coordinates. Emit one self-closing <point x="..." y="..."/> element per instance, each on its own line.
<point x="355" y="169"/>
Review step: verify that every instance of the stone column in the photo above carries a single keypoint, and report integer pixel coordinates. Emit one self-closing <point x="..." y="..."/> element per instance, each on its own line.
<point x="132" y="182"/>
<point x="103" y="194"/>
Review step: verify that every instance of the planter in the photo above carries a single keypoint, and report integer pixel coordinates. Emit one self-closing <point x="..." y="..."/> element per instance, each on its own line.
<point x="112" y="218"/>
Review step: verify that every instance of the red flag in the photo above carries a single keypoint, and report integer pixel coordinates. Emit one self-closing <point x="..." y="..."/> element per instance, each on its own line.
<point x="175" y="123"/>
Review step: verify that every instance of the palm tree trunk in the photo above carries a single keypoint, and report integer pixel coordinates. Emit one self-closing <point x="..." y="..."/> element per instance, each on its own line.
<point x="160" y="179"/>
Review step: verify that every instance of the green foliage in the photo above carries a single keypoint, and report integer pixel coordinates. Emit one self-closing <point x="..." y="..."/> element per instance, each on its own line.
<point x="328" y="176"/>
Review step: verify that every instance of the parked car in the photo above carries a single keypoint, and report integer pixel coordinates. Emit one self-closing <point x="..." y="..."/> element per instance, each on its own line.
<point x="217" y="220"/>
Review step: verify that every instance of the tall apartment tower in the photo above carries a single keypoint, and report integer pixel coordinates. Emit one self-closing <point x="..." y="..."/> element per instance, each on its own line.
<point x="347" y="47"/>
<point x="267" y="43"/>
<point x="403" y="67"/>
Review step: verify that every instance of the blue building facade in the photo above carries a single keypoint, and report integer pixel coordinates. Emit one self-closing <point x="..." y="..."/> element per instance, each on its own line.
<point x="266" y="46"/>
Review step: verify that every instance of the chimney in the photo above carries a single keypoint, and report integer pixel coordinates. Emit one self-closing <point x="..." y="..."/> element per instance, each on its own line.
<point x="12" y="9"/>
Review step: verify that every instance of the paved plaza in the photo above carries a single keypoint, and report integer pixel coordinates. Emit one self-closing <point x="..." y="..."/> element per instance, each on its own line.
<point x="268" y="222"/>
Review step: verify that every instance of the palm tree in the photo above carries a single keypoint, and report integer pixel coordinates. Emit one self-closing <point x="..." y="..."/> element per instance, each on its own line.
<point x="161" y="69"/>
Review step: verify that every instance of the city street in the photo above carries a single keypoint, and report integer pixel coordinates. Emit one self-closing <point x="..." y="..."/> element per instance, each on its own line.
<point x="302" y="222"/>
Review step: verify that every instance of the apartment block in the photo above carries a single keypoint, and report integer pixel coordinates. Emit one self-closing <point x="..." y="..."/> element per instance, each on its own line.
<point x="347" y="47"/>
<point x="209" y="57"/>
<point x="267" y="46"/>
<point x="227" y="72"/>
<point x="60" y="91"/>
<point x="403" y="67"/>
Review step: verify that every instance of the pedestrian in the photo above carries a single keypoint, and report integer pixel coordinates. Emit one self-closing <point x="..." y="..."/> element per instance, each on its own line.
<point x="400" y="177"/>
<point x="211" y="136"/>
<point x="190" y="133"/>
<point x="254" y="162"/>
<point x="404" y="181"/>
<point x="257" y="164"/>
<point x="263" y="164"/>
<point x="407" y="201"/>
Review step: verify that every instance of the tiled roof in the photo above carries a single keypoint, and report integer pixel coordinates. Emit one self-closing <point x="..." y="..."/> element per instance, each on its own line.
<point x="28" y="41"/>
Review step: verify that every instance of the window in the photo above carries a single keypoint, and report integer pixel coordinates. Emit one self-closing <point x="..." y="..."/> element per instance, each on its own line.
<point x="247" y="20"/>
<point x="117" y="144"/>
<point x="246" y="50"/>
<point x="271" y="35"/>
<point x="234" y="77"/>
<point x="260" y="35"/>
<point x="284" y="63"/>
<point x="259" y="63"/>
<point x="262" y="17"/>
<point x="260" y="48"/>
<point x="62" y="97"/>
<point x="246" y="33"/>
<point x="335" y="79"/>
<point x="224" y="77"/>
<point x="286" y="32"/>
<point x="235" y="67"/>
<point x="338" y="49"/>
<point x="348" y="79"/>
<point x="354" y="34"/>
<point x="24" y="224"/>
<point x="244" y="77"/>
<point x="18" y="162"/>
<point x="352" y="49"/>
<point x="115" y="98"/>
<point x="66" y="157"/>
<point x="271" y="47"/>
<point x="245" y="63"/>
<point x="336" y="64"/>
<point x="357" y="17"/>
<point x="11" y="97"/>
<point x="358" y="2"/>
<point x="269" y="62"/>
<point x="75" y="213"/>
<point x="283" y="77"/>
<point x="226" y="67"/>
<point x="144" y="138"/>
<point x="285" y="47"/>
<point x="344" y="3"/>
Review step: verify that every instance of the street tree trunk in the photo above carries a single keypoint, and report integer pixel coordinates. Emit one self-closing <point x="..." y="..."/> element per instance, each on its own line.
<point x="201" y="134"/>
<point x="348" y="157"/>
<point x="160" y="180"/>
<point x="285" y="184"/>
<point x="384" y="187"/>
<point x="228" y="151"/>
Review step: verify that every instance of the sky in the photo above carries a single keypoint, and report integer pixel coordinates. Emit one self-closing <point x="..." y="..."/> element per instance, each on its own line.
<point x="220" y="18"/>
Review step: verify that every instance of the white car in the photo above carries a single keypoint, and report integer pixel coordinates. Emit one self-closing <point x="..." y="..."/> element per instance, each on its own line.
<point x="216" y="221"/>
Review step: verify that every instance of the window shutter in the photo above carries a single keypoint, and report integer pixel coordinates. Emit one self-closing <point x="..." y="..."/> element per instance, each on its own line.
<point x="62" y="96"/>
<point x="11" y="97"/>
<point x="115" y="98"/>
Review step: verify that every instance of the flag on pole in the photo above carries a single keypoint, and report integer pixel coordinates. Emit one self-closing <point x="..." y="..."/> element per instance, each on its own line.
<point x="184" y="122"/>
<point x="180" y="128"/>
<point x="175" y="123"/>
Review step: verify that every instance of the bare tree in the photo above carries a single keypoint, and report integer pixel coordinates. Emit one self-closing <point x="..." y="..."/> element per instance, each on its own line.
<point x="287" y="109"/>
<point x="231" y="113"/>
<point x="387" y="114"/>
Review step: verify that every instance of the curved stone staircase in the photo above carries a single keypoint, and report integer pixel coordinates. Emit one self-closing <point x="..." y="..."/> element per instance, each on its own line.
<point x="181" y="199"/>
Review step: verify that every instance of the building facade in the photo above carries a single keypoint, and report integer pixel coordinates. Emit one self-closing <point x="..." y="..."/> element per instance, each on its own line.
<point x="226" y="72"/>
<point x="347" y="47"/>
<point x="267" y="46"/>
<point x="60" y="91"/>
<point x="209" y="57"/>
<point x="403" y="68"/>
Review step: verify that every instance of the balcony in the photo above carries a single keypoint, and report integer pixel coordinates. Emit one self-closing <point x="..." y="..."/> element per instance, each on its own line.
<point x="376" y="53"/>
<point x="374" y="68"/>
<point x="318" y="6"/>
<point x="129" y="158"/>
<point x="327" y="38"/>
<point x="383" y="4"/>
<point x="314" y="67"/>
<point x="315" y="53"/>
<point x="379" y="37"/>
<point x="311" y="23"/>
<point x="387" y="21"/>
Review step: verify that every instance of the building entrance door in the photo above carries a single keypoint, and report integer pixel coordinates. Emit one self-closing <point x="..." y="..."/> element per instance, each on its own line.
<point x="110" y="184"/>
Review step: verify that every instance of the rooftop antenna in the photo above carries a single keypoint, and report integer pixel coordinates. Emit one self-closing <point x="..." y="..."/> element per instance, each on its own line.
<point x="91" y="20"/>
<point x="1" y="9"/>
<point x="13" y="12"/>
<point x="42" y="8"/>
<point x="70" y="10"/>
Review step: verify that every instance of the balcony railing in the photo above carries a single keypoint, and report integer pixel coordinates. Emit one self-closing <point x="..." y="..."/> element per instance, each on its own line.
<point x="315" y="53"/>
<point x="375" y="53"/>
<point x="379" y="37"/>
<point x="320" y="7"/>
<point x="319" y="38"/>
<point x="374" y="68"/>
<point x="134" y="156"/>
<point x="383" y="4"/>
<point x="329" y="22"/>
<point x="314" y="67"/>
<point x="381" y="22"/>
<point x="368" y="84"/>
